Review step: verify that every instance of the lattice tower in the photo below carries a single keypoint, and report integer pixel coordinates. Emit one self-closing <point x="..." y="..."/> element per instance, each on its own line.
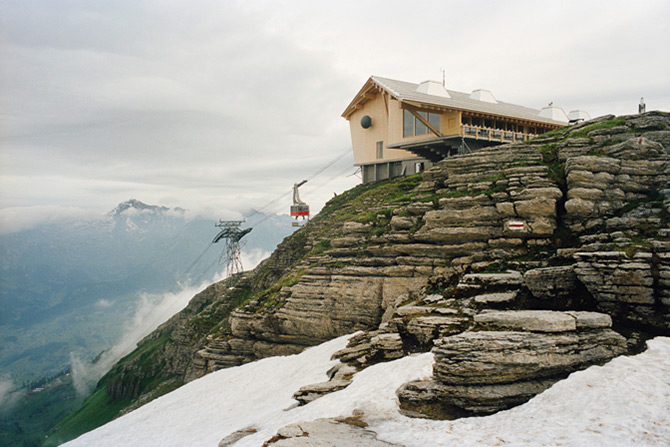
<point x="231" y="234"/>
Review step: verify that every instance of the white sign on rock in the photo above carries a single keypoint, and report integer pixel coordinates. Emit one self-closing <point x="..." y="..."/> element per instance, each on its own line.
<point x="515" y="225"/>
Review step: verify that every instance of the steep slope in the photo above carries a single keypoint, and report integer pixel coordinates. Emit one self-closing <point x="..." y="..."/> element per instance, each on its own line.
<point x="575" y="221"/>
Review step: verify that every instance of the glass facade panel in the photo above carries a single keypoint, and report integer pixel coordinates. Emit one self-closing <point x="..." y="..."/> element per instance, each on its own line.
<point x="421" y="129"/>
<point x="411" y="126"/>
<point x="434" y="120"/>
<point x="407" y="124"/>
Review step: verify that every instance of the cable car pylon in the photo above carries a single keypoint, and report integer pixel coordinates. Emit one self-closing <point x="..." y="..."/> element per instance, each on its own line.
<point x="299" y="208"/>
<point x="231" y="234"/>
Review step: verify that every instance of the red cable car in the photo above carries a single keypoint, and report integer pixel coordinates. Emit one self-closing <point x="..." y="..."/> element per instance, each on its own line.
<point x="299" y="208"/>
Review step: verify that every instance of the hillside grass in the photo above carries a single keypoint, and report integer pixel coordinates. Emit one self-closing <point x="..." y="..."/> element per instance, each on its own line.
<point x="27" y="422"/>
<point x="96" y="410"/>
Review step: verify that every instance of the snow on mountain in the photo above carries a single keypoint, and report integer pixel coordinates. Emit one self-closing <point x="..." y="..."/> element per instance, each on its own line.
<point x="623" y="403"/>
<point x="137" y="206"/>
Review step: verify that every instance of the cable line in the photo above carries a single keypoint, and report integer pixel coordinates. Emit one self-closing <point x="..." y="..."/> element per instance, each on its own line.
<point x="318" y="172"/>
<point x="270" y="215"/>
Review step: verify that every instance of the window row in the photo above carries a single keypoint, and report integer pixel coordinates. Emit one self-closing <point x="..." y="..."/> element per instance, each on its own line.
<point x="411" y="126"/>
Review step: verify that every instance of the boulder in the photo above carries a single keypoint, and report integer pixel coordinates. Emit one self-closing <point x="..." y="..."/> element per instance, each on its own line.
<point x="428" y="328"/>
<point x="488" y="357"/>
<point x="551" y="283"/>
<point x="527" y="320"/>
<point x="328" y="432"/>
<point x="309" y="393"/>
<point x="484" y="371"/>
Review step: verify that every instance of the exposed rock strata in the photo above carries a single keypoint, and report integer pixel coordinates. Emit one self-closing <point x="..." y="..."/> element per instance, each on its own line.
<point x="578" y="220"/>
<point x="484" y="371"/>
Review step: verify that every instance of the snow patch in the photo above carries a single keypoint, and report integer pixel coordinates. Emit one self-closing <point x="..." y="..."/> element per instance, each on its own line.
<point x="626" y="402"/>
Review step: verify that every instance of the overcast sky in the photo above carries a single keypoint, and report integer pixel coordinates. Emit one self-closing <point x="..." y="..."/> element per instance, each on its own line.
<point x="221" y="105"/>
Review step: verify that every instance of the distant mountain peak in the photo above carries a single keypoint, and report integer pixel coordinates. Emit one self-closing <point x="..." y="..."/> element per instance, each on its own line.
<point x="134" y="204"/>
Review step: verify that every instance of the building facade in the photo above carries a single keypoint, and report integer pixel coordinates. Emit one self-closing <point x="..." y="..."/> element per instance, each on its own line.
<point x="399" y="128"/>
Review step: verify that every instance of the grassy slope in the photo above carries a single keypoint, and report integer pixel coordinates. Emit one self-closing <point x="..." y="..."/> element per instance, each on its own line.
<point x="35" y="413"/>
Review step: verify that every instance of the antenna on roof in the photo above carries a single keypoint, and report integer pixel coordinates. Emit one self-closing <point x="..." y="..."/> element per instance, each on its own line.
<point x="444" y="77"/>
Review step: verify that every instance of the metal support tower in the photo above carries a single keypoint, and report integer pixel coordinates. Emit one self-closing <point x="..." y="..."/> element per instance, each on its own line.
<point x="231" y="234"/>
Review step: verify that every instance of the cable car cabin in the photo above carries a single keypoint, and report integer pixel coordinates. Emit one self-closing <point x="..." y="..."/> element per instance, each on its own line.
<point x="300" y="211"/>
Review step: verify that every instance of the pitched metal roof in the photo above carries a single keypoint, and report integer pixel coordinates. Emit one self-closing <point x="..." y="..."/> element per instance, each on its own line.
<point x="407" y="92"/>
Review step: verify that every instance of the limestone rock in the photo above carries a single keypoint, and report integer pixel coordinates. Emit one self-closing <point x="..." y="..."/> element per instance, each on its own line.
<point x="481" y="372"/>
<point x="625" y="287"/>
<point x="488" y="357"/>
<point x="355" y="228"/>
<point x="309" y="393"/>
<point x="436" y="400"/>
<point x="402" y="223"/>
<point x="428" y="328"/>
<point x="510" y="279"/>
<point x="331" y="432"/>
<point x="232" y="438"/>
<point x="496" y="298"/>
<point x="591" y="320"/>
<point x="347" y="241"/>
<point x="371" y="347"/>
<point x="551" y="283"/>
<point x="527" y="320"/>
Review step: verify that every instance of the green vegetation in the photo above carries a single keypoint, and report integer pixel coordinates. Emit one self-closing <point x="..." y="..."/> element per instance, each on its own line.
<point x="96" y="410"/>
<point x="654" y="197"/>
<point x="269" y="298"/>
<point x="556" y="169"/>
<point x="582" y="133"/>
<point x="26" y="422"/>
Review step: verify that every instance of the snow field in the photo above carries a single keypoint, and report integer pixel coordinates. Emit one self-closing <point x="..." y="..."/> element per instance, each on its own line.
<point x="623" y="403"/>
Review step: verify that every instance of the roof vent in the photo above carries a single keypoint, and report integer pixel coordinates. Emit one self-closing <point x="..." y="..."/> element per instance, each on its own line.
<point x="577" y="116"/>
<point x="483" y="95"/>
<point x="553" y="113"/>
<point x="433" y="88"/>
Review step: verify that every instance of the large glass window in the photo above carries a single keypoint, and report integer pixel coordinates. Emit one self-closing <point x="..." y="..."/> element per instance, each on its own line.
<point x="407" y="124"/>
<point x="434" y="120"/>
<point x="411" y="125"/>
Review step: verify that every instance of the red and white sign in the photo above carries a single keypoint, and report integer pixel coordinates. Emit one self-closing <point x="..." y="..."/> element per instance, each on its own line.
<point x="515" y="225"/>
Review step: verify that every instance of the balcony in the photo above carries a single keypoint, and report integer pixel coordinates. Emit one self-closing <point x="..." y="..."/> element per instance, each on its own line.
<point x="493" y="135"/>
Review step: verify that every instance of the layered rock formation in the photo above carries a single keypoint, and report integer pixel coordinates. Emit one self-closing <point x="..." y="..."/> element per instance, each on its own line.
<point x="509" y="357"/>
<point x="576" y="221"/>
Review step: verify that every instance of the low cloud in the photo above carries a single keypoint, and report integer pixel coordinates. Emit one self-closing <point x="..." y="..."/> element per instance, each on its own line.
<point x="104" y="303"/>
<point x="9" y="396"/>
<point x="16" y="219"/>
<point x="151" y="311"/>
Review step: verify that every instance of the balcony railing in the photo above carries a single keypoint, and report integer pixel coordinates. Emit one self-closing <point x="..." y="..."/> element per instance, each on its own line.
<point x="485" y="133"/>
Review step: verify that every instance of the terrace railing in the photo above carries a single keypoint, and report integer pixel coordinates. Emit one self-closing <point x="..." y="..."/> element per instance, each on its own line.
<point x="486" y="133"/>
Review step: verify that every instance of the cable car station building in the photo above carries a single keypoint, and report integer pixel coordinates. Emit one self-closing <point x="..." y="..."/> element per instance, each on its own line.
<point x="399" y="128"/>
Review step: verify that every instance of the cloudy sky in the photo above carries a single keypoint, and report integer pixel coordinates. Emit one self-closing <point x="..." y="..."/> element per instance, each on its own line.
<point x="222" y="105"/>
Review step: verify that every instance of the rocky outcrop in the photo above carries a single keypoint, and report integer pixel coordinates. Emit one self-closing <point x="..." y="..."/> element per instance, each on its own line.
<point x="327" y="432"/>
<point x="629" y="287"/>
<point x="578" y="220"/>
<point x="507" y="359"/>
<point x="339" y="377"/>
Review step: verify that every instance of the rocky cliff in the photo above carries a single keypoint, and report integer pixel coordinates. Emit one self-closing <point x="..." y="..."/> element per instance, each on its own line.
<point x="515" y="264"/>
